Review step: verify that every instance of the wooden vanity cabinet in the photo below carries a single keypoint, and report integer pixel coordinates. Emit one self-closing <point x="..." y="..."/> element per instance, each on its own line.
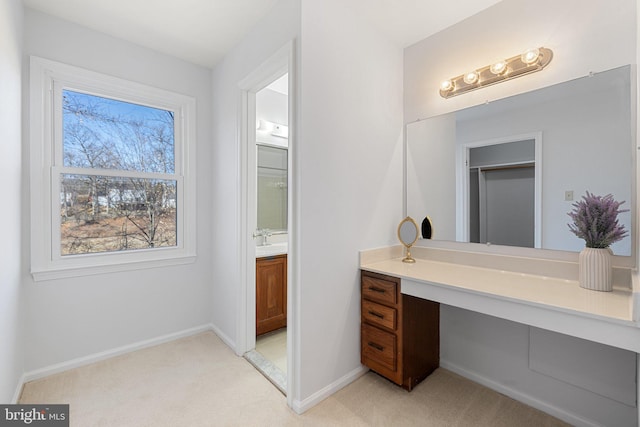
<point x="400" y="334"/>
<point x="271" y="293"/>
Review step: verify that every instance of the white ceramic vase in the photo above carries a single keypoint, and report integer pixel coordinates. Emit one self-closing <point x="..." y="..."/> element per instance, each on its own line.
<point x="595" y="269"/>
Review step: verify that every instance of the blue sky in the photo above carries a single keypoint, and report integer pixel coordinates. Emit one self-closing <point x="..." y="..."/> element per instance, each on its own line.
<point x="116" y="134"/>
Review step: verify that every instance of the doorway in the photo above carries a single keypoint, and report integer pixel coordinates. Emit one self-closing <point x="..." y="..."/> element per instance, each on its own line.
<point x="502" y="205"/>
<point x="265" y="323"/>
<point x="271" y="231"/>
<point x="501" y="191"/>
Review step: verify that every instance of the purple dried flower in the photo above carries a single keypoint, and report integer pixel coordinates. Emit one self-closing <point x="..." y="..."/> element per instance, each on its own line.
<point x="595" y="219"/>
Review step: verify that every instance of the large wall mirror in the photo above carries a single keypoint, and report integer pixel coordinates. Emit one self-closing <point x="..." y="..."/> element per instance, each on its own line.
<point x="507" y="172"/>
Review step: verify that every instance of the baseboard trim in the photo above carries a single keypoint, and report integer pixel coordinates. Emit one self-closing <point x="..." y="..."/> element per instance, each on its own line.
<point x="18" y="392"/>
<point x="96" y="357"/>
<point x="301" y="406"/>
<point x="225" y="338"/>
<point x="559" y="413"/>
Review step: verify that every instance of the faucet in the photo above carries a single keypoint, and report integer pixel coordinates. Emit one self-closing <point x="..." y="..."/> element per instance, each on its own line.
<point x="261" y="235"/>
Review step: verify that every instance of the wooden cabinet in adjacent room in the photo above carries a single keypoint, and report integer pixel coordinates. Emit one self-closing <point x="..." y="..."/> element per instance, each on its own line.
<point x="400" y="334"/>
<point x="271" y="293"/>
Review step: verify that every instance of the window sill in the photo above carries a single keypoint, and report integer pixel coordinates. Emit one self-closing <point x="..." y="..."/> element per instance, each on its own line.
<point x="67" y="272"/>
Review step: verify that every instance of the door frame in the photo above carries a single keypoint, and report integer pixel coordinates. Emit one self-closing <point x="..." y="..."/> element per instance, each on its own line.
<point x="462" y="183"/>
<point x="280" y="63"/>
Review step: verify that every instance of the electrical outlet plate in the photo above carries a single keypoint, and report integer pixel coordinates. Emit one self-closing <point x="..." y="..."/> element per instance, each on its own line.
<point x="568" y="196"/>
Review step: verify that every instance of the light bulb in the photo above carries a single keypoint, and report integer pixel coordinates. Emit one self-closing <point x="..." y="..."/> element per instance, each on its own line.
<point x="498" y="68"/>
<point x="530" y="56"/>
<point x="446" y="85"/>
<point x="471" y="78"/>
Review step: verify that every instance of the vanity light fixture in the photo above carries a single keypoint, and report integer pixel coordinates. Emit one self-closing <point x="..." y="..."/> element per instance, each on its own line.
<point x="528" y="62"/>
<point x="274" y="129"/>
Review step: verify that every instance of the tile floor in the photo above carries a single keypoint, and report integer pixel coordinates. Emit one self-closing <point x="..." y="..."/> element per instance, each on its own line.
<point x="273" y="346"/>
<point x="270" y="357"/>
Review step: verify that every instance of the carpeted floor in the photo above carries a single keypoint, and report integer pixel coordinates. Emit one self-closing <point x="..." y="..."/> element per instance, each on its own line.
<point x="198" y="381"/>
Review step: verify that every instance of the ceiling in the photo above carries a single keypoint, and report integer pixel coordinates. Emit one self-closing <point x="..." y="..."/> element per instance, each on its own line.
<point x="203" y="31"/>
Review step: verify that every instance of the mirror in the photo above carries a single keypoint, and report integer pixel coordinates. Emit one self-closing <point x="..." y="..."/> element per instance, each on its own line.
<point x="408" y="234"/>
<point x="272" y="188"/>
<point x="571" y="138"/>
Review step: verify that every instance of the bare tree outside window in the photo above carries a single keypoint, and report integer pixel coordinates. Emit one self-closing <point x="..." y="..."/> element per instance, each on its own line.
<point x="122" y="196"/>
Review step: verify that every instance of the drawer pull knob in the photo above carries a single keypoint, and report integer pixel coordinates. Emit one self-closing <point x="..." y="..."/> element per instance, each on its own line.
<point x="376" y="346"/>
<point x="378" y="290"/>
<point x="378" y="315"/>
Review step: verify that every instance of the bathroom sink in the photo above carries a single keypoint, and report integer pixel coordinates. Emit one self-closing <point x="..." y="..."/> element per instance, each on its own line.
<point x="271" y="249"/>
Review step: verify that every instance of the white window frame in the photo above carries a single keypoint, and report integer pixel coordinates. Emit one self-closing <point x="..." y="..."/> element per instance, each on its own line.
<point x="47" y="81"/>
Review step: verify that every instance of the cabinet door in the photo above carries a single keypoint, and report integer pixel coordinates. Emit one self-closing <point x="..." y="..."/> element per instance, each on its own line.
<point x="271" y="294"/>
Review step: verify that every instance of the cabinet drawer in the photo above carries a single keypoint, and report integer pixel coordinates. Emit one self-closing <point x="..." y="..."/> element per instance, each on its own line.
<point x="380" y="290"/>
<point x="379" y="346"/>
<point x="379" y="314"/>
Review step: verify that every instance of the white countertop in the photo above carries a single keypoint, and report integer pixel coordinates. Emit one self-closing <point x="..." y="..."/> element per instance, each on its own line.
<point x="527" y="288"/>
<point x="546" y="302"/>
<point x="271" y="249"/>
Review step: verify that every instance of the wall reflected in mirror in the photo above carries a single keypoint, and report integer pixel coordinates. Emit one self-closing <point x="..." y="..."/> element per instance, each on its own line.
<point x="585" y="135"/>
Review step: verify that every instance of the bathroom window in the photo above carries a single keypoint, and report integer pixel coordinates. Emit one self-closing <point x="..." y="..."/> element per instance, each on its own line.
<point x="111" y="173"/>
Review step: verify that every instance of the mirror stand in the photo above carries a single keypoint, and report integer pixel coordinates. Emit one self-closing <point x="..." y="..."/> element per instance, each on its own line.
<point x="408" y="258"/>
<point x="408" y="234"/>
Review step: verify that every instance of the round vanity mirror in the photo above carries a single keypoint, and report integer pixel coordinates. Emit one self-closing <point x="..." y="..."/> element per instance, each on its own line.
<point x="408" y="234"/>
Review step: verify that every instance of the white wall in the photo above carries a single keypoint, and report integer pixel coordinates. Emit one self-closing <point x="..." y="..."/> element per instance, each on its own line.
<point x="280" y="26"/>
<point x="11" y="319"/>
<point x="78" y="317"/>
<point x="500" y="354"/>
<point x="349" y="169"/>
<point x="591" y="36"/>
